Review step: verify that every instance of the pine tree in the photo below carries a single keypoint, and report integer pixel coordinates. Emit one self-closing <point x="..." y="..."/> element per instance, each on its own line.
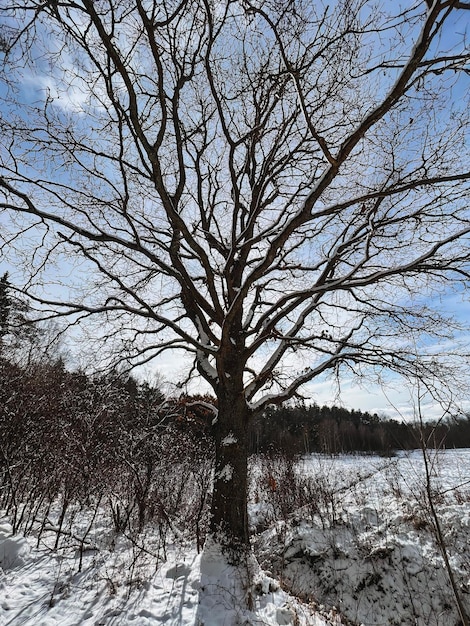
<point x="18" y="334"/>
<point x="5" y="306"/>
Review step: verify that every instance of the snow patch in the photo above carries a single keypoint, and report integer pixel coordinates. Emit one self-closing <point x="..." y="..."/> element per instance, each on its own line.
<point x="14" y="551"/>
<point x="228" y="589"/>
<point x="229" y="440"/>
<point x="178" y="570"/>
<point x="201" y="355"/>
<point x="226" y="473"/>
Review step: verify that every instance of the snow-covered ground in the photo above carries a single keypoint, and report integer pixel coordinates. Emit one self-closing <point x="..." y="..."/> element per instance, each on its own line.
<point x="122" y="585"/>
<point x="370" y="549"/>
<point x="346" y="540"/>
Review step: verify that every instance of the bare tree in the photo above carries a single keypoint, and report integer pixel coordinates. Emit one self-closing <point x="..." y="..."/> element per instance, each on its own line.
<point x="278" y="189"/>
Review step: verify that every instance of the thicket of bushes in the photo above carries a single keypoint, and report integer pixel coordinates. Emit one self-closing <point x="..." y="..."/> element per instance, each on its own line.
<point x="98" y="441"/>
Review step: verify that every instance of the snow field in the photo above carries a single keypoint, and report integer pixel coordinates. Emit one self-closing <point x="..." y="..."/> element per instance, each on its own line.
<point x="344" y="540"/>
<point x="372" y="552"/>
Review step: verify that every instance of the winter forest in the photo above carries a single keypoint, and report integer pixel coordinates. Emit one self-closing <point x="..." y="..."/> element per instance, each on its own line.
<point x="274" y="197"/>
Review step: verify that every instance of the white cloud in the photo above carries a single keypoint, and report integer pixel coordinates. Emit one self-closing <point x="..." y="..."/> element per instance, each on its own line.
<point x="69" y="97"/>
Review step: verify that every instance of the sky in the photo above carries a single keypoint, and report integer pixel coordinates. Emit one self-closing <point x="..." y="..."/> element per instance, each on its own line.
<point x="368" y="396"/>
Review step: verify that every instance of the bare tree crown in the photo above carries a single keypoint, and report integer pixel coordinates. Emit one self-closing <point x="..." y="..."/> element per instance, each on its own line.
<point x="274" y="187"/>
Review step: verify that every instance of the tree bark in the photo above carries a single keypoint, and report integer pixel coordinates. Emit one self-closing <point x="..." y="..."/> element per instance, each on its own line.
<point x="229" y="516"/>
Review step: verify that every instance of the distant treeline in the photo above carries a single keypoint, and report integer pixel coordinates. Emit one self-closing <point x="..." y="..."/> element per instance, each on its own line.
<point x="333" y="430"/>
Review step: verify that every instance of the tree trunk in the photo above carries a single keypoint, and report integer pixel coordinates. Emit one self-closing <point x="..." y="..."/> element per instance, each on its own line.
<point x="229" y="517"/>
